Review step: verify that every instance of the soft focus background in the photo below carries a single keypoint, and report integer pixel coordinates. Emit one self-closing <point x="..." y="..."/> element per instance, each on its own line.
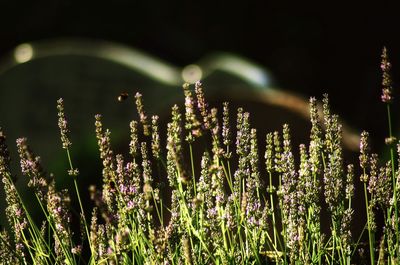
<point x="307" y="50"/>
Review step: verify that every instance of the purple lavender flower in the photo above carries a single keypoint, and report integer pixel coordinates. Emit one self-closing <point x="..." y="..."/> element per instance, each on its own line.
<point x="191" y="122"/>
<point x="175" y="166"/>
<point x="253" y="184"/>
<point x="226" y="132"/>
<point x="277" y="152"/>
<point x="7" y="253"/>
<point x="383" y="189"/>
<point x="133" y="144"/>
<point x="202" y="105"/>
<point x="243" y="132"/>
<point x="14" y="210"/>
<point x="215" y="128"/>
<point x="57" y="207"/>
<point x="155" y="138"/>
<point x="386" y="78"/>
<point x="350" y="182"/>
<point x="291" y="209"/>
<point x="269" y="153"/>
<point x="31" y="167"/>
<point x="142" y="114"/>
<point x="107" y="156"/>
<point x="315" y="139"/>
<point x="364" y="149"/>
<point x="62" y="124"/>
<point x="333" y="174"/>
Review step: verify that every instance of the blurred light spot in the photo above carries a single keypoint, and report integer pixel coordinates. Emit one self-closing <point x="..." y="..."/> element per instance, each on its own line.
<point x="192" y="73"/>
<point x="23" y="53"/>
<point x="138" y="61"/>
<point x="244" y="69"/>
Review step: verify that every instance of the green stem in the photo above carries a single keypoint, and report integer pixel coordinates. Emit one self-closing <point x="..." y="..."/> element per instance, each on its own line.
<point x="34" y="231"/>
<point x="333" y="242"/>
<point x="271" y="197"/>
<point x="55" y="231"/>
<point x="394" y="182"/>
<point x="192" y="165"/>
<point x="371" y="236"/>
<point x="80" y="201"/>
<point x="283" y="217"/>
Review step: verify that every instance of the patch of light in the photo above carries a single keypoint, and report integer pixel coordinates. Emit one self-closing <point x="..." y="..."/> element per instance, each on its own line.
<point x="192" y="73"/>
<point x="23" y="53"/>
<point x="142" y="63"/>
<point x="244" y="69"/>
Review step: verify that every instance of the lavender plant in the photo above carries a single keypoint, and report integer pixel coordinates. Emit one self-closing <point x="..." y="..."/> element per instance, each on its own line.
<point x="229" y="212"/>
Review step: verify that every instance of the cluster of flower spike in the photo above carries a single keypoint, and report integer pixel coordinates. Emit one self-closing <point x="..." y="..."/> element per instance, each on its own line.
<point x="212" y="204"/>
<point x="223" y="202"/>
<point x="249" y="217"/>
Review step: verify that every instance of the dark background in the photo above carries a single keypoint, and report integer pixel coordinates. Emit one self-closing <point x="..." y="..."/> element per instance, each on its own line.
<point x="310" y="49"/>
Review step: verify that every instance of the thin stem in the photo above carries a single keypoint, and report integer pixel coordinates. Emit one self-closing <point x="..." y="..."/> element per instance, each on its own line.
<point x="392" y="159"/>
<point x="271" y="197"/>
<point x="371" y="236"/>
<point x="283" y="217"/>
<point x="80" y="201"/>
<point x="48" y="217"/>
<point x="192" y="166"/>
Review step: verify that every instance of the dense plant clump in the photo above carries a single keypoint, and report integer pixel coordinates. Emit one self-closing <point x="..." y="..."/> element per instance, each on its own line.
<point x="231" y="211"/>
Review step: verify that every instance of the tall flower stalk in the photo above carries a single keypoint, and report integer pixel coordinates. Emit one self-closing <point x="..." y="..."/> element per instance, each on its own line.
<point x="387" y="98"/>
<point x="72" y="171"/>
